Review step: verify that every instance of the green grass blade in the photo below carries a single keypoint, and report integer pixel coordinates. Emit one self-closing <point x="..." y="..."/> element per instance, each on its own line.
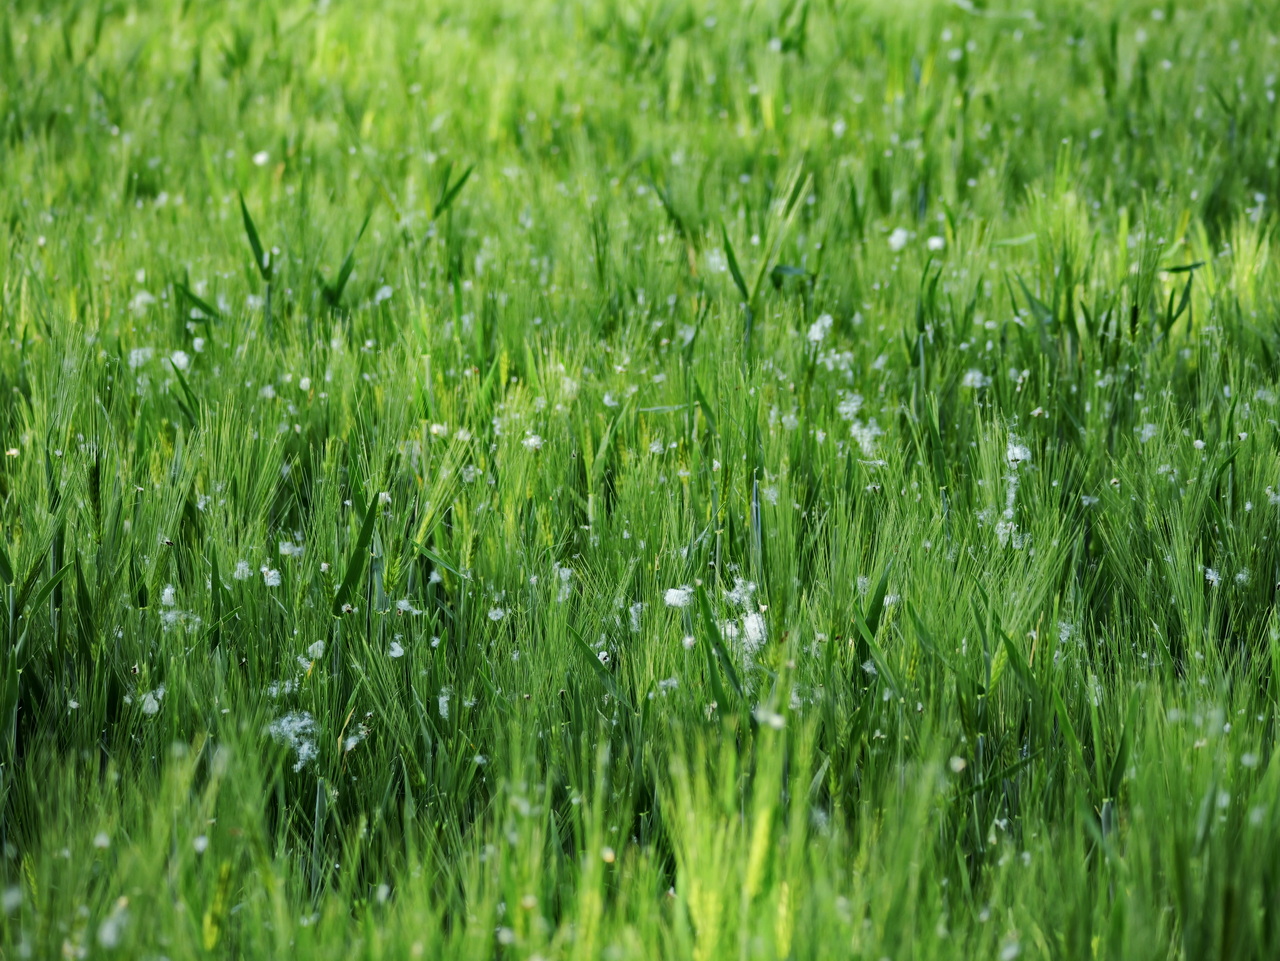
<point x="356" y="562"/>
<point x="260" y="259"/>
<point x="450" y="193"/>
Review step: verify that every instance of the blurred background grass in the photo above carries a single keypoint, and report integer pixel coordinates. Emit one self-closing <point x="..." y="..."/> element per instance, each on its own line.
<point x="631" y="479"/>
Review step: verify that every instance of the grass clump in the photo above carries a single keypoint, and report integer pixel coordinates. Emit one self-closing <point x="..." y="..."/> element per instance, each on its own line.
<point x="629" y="479"/>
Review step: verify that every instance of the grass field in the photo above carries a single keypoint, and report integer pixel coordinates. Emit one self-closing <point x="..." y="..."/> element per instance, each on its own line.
<point x="639" y="478"/>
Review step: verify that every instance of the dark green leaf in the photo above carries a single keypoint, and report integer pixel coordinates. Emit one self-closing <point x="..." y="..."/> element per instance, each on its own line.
<point x="42" y="595"/>
<point x="733" y="265"/>
<point x="355" y="564"/>
<point x="210" y="312"/>
<point x="259" y="257"/>
<point x="716" y="653"/>
<point x="450" y="194"/>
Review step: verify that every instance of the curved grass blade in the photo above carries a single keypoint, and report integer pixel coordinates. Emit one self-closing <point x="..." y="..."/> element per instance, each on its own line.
<point x="191" y="407"/>
<point x="734" y="270"/>
<point x="603" y="673"/>
<point x="450" y="194"/>
<point x="208" y="310"/>
<point x="333" y="292"/>
<point x="251" y="231"/>
<point x="875" y="604"/>
<point x="437" y="560"/>
<point x="716" y="652"/>
<point x="355" y="566"/>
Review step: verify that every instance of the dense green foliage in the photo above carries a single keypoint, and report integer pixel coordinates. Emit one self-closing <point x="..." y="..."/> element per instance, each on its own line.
<point x="621" y="478"/>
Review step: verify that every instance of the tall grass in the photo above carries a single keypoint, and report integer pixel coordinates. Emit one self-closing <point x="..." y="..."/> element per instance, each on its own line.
<point x="626" y="479"/>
